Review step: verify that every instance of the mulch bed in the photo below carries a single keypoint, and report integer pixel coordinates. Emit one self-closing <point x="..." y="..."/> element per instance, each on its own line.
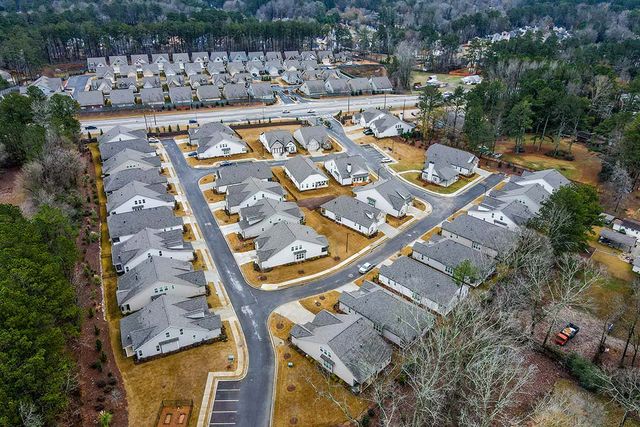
<point x="314" y="202"/>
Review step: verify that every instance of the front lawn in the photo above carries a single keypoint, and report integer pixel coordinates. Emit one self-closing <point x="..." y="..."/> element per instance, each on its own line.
<point x="224" y="218"/>
<point x="238" y="245"/>
<point x="333" y="189"/>
<point x="317" y="303"/>
<point x="414" y="177"/>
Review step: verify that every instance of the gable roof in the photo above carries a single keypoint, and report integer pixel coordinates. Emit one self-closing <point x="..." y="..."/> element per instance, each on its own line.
<point x="265" y="209"/>
<point x="235" y="91"/>
<point x="302" y="168"/>
<point x="315" y="86"/>
<point x="403" y="319"/>
<point x="166" y="311"/>
<point x="180" y="94"/>
<point x="140" y="59"/>
<point x="122" y="178"/>
<point x="240" y="171"/>
<point x="551" y="176"/>
<point x="451" y="253"/>
<point x="283" y="137"/>
<point x="305" y="135"/>
<point x="208" y="92"/>
<point x="353" y="209"/>
<point x="210" y="128"/>
<point x="261" y="90"/>
<point x="359" y="84"/>
<point x="282" y="235"/>
<point x="358" y="165"/>
<point x="126" y="155"/>
<point x="122" y="96"/>
<point x="110" y="149"/>
<point x="443" y="156"/>
<point x="381" y="83"/>
<point x="338" y="85"/>
<point x="89" y="98"/>
<point x="122" y="133"/>
<point x="151" y="95"/>
<point x="387" y="121"/>
<point x="422" y="280"/>
<point x="145" y="240"/>
<point x="391" y="191"/>
<point x="351" y="338"/>
<point x="135" y="188"/>
<point x="128" y="223"/>
<point x="482" y="232"/>
<point x="238" y="193"/>
<point x="216" y="138"/>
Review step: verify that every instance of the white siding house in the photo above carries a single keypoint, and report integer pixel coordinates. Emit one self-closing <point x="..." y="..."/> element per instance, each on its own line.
<point x="287" y="243"/>
<point x="353" y="213"/>
<point x="304" y="174"/>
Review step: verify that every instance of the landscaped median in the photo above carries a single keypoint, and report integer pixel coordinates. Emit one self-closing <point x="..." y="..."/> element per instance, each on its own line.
<point x="343" y="243"/>
<point x="181" y="375"/>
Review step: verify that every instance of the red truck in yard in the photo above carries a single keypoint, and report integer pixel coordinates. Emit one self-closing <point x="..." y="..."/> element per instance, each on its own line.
<point x="566" y="334"/>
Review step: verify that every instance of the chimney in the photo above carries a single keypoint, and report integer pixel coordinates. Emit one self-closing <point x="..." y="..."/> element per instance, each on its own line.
<point x="348" y="167"/>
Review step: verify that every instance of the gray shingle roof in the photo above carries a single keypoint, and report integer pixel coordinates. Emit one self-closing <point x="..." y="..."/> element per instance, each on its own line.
<point x="301" y="168"/>
<point x="261" y="90"/>
<point x="110" y="149"/>
<point x="163" y="312"/>
<point x="121" y="133"/>
<point x="265" y="209"/>
<point x="479" y="231"/>
<point x="352" y="339"/>
<point x="119" y="59"/>
<point x="157" y="269"/>
<point x="129" y="154"/>
<point x="180" y="94"/>
<point x="160" y="57"/>
<point x="381" y="83"/>
<point x="405" y="320"/>
<point x="122" y="178"/>
<point x="551" y="176"/>
<point x="386" y="122"/>
<point x="291" y="54"/>
<point x="305" y="135"/>
<point x="151" y="69"/>
<point x="359" y="84"/>
<point x="181" y="57"/>
<point x="451" y="253"/>
<point x="210" y="128"/>
<point x="371" y="113"/>
<point x="358" y="165"/>
<point x="443" y="156"/>
<point x="238" y="193"/>
<point x="122" y="97"/>
<point x="152" y="95"/>
<point x="353" y="209"/>
<point x="620" y="238"/>
<point x="140" y="59"/>
<point x="391" y="191"/>
<point x="316" y="87"/>
<point x="238" y="172"/>
<point x="283" y="234"/>
<point x="146" y="239"/>
<point x="235" y="91"/>
<point x="89" y="98"/>
<point x="338" y="85"/>
<point x="128" y="223"/>
<point x="270" y="56"/>
<point x="422" y="280"/>
<point x="283" y="137"/>
<point x="216" y="138"/>
<point x="151" y="82"/>
<point x="216" y="68"/>
<point x="135" y="188"/>
<point x="208" y="92"/>
<point x="534" y="192"/>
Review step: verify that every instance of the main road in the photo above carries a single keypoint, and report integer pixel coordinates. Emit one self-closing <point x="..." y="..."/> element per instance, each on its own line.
<point x="253" y="306"/>
<point x="326" y="106"/>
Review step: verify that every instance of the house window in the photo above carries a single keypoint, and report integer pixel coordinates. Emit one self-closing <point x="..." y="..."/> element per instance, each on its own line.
<point x="181" y="331"/>
<point x="167" y="334"/>
<point x="157" y="348"/>
<point x="448" y="269"/>
<point x="300" y="255"/>
<point x="475" y="246"/>
<point x="160" y="253"/>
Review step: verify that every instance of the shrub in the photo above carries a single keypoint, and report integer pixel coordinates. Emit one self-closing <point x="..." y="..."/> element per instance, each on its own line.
<point x="91" y="312"/>
<point x="96" y="330"/>
<point x="103" y="357"/>
<point x="97" y="365"/>
<point x="101" y="383"/>
<point x="586" y="372"/>
<point x="366" y="420"/>
<point x="98" y="345"/>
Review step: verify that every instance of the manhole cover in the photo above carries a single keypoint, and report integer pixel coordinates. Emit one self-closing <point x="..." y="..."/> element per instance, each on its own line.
<point x="279" y="326"/>
<point x="293" y="420"/>
<point x="287" y="356"/>
<point x="291" y="387"/>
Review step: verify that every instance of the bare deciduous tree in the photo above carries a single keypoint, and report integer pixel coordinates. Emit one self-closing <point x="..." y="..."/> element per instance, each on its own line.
<point x="29" y="415"/>
<point x="623" y="385"/>
<point x="405" y="60"/>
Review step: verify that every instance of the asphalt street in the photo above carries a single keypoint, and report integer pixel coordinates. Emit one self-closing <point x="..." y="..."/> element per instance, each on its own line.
<point x="253" y="306"/>
<point x="234" y="114"/>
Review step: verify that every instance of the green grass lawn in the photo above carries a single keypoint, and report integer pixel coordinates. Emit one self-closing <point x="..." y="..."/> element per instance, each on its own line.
<point x="422" y="76"/>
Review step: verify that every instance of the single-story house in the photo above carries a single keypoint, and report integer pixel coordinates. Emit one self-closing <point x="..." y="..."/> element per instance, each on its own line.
<point x="278" y="142"/>
<point x="48" y="85"/>
<point x="291" y="54"/>
<point x="122" y="133"/>
<point x="353" y="213"/>
<point x="446" y="255"/>
<point x="288" y="243"/>
<point x="313" y="88"/>
<point x="220" y="144"/>
<point x="386" y="195"/>
<point x="139" y="59"/>
<point x="123" y="226"/>
<point x="175" y="81"/>
<point x="292" y="77"/>
<point x="118" y="180"/>
<point x="136" y="196"/>
<point x="337" y="86"/>
<point x="218" y="57"/>
<point x="264" y="214"/>
<point x="216" y="68"/>
<point x="394" y="318"/>
<point x="152" y="96"/>
<point x="304" y="174"/>
<point x="147" y="243"/>
<point x="313" y="138"/>
<point x="168" y="324"/>
<point x="208" y="93"/>
<point x="181" y="58"/>
<point x="345" y="345"/>
<point x="126" y="83"/>
<point x="239" y="172"/>
<point x="90" y="99"/>
<point x="261" y="92"/>
<point x="151" y="82"/>
<point x="347" y="170"/>
<point x="422" y="284"/>
<point x="444" y="164"/>
<point x="627" y="226"/>
<point x="368" y="116"/>
<point x="110" y="149"/>
<point x="482" y="236"/>
<point x="255" y="56"/>
<point x="129" y="159"/>
<point x="201" y="58"/>
<point x="238" y="57"/>
<point x="380" y="84"/>
<point x="150" y="70"/>
<point x="273" y="56"/>
<point x="180" y="95"/>
<point x="94" y="63"/>
<point x="359" y="86"/>
<point x="160" y="59"/>
<point x="122" y="98"/>
<point x="235" y="92"/>
<point x="197" y="80"/>
<point x="207" y="129"/>
<point x="389" y="125"/>
<point x="249" y="192"/>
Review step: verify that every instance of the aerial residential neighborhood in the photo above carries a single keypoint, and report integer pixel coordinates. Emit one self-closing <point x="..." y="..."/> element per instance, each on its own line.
<point x="326" y="213"/>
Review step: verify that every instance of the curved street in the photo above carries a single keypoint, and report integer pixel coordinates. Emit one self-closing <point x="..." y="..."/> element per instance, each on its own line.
<point x="253" y="306"/>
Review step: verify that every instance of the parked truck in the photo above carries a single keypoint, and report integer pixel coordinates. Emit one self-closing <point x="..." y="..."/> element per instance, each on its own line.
<point x="566" y="334"/>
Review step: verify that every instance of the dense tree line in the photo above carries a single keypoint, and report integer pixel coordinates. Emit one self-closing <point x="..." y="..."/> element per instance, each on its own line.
<point x="38" y="313"/>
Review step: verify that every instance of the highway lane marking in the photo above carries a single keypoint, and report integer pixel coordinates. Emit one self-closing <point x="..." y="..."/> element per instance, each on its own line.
<point x="224" y="412"/>
<point x="222" y="424"/>
<point x="225" y="400"/>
